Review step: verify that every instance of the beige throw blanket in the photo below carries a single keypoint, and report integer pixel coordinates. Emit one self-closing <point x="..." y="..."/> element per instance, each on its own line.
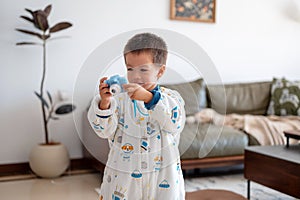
<point x="267" y="130"/>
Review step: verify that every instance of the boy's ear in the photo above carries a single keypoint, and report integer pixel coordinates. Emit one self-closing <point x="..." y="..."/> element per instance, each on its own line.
<point x="161" y="71"/>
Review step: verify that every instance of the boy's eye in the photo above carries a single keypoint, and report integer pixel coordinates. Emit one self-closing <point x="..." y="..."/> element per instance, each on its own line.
<point x="144" y="70"/>
<point x="129" y="69"/>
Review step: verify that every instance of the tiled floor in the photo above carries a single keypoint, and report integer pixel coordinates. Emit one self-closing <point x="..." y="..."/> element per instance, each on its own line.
<point x="74" y="187"/>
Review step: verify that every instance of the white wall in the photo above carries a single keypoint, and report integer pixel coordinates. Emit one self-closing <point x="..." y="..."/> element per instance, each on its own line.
<point x="251" y="40"/>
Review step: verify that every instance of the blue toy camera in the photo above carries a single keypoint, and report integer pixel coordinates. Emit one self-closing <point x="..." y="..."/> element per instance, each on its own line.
<point x="115" y="84"/>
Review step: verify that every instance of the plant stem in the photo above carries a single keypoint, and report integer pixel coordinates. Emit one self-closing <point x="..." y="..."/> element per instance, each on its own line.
<point x="42" y="93"/>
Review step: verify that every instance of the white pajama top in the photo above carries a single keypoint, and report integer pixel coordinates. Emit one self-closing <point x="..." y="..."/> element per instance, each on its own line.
<point x="143" y="161"/>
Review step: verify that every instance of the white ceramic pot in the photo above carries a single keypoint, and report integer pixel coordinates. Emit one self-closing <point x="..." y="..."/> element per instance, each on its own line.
<point x="49" y="160"/>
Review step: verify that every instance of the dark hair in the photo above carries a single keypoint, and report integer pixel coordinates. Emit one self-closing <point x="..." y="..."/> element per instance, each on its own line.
<point x="149" y="43"/>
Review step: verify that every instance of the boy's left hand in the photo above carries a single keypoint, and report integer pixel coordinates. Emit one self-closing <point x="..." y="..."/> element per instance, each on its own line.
<point x="138" y="92"/>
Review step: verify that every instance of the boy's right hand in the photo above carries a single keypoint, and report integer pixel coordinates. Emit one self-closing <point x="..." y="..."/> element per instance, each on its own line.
<point x="105" y="94"/>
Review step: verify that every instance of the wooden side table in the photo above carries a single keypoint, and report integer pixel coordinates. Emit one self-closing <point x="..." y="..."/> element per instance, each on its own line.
<point x="295" y="134"/>
<point x="276" y="167"/>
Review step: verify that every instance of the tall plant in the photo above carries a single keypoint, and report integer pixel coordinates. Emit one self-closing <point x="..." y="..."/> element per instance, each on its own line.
<point x="40" y="21"/>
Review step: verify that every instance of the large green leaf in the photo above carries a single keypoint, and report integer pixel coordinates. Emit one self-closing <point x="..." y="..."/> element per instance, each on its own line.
<point x="47" y="10"/>
<point x="30" y="11"/>
<point x="60" y="26"/>
<point x="30" y="33"/>
<point x="27" y="19"/>
<point x="33" y="13"/>
<point x="64" y="109"/>
<point x="28" y="43"/>
<point x="42" y="21"/>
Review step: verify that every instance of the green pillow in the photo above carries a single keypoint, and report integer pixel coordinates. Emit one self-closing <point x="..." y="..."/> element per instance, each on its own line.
<point x="193" y="94"/>
<point x="285" y="98"/>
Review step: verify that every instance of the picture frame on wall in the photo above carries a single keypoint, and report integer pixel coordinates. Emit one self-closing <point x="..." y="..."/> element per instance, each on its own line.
<point x="193" y="10"/>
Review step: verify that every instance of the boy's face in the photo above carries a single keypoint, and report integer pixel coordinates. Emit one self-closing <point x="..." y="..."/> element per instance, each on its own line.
<point x="141" y="70"/>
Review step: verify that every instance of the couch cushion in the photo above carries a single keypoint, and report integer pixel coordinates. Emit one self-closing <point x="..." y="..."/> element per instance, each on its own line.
<point x="240" y="98"/>
<point x="193" y="93"/>
<point x="285" y="97"/>
<point x="208" y="140"/>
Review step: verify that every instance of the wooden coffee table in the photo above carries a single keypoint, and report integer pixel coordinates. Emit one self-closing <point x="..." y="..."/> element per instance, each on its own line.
<point x="295" y="134"/>
<point x="276" y="167"/>
<point x="209" y="194"/>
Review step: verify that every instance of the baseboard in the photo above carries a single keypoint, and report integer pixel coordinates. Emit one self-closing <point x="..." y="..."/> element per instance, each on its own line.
<point x="24" y="168"/>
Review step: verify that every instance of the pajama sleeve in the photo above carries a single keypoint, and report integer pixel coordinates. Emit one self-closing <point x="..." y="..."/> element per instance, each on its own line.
<point x="104" y="122"/>
<point x="169" y="111"/>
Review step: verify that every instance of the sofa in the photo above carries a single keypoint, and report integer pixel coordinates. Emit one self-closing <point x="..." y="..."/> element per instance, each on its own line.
<point x="206" y="145"/>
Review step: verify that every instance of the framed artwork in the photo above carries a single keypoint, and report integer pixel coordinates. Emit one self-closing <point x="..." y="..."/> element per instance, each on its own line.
<point x="193" y="10"/>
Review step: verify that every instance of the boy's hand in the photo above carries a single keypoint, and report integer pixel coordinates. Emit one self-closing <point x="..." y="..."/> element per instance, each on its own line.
<point x="105" y="94"/>
<point x="149" y="86"/>
<point x="138" y="92"/>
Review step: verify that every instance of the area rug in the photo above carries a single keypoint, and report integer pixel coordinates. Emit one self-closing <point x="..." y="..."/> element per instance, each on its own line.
<point x="235" y="183"/>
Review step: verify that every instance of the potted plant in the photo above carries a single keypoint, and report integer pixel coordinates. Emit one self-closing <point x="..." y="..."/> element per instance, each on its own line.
<point x="48" y="159"/>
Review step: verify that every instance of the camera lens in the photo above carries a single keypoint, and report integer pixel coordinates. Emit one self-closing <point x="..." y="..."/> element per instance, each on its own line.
<point x="115" y="89"/>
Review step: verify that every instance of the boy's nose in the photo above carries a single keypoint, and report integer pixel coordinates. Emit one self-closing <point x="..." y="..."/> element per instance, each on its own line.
<point x="136" y="76"/>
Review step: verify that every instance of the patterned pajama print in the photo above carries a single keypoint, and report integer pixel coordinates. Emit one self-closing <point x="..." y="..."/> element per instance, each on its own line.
<point x="144" y="161"/>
